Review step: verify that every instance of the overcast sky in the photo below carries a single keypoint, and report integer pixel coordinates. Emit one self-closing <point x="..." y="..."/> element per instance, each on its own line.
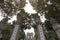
<point x="28" y="8"/>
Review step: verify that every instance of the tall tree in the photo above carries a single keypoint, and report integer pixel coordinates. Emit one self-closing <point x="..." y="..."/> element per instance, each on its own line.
<point x="12" y="7"/>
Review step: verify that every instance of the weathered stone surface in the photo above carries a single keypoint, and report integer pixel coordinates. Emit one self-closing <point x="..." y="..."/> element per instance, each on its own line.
<point x="56" y="27"/>
<point x="15" y="33"/>
<point x="29" y="36"/>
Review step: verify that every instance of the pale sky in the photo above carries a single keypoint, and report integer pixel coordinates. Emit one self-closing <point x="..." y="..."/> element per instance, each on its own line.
<point x="14" y="18"/>
<point x="42" y="18"/>
<point x="28" y="8"/>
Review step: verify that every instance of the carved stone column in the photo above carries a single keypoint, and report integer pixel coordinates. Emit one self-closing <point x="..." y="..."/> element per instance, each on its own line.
<point x="40" y="29"/>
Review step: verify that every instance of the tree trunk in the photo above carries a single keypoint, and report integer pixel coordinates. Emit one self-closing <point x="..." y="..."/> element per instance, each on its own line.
<point x="56" y="27"/>
<point x="40" y="29"/>
<point x="15" y="33"/>
<point x="18" y="25"/>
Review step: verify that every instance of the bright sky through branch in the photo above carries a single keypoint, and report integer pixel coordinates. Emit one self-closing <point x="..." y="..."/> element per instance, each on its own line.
<point x="42" y="17"/>
<point x="49" y="2"/>
<point x="14" y="18"/>
<point x="1" y="17"/>
<point x="28" y="8"/>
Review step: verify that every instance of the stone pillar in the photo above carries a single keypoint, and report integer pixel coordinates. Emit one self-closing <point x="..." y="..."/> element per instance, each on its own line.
<point x="15" y="33"/>
<point x="40" y="29"/>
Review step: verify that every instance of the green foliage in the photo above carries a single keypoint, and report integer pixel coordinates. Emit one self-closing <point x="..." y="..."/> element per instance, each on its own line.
<point x="22" y="35"/>
<point x="7" y="32"/>
<point x="53" y="10"/>
<point x="23" y="2"/>
<point x="9" y="27"/>
<point x="48" y="25"/>
<point x="9" y="8"/>
<point x="1" y="1"/>
<point x="50" y="34"/>
<point x="47" y="16"/>
<point x="36" y="34"/>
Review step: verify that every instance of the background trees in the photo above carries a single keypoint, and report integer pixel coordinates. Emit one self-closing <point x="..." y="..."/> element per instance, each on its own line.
<point x="51" y="9"/>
